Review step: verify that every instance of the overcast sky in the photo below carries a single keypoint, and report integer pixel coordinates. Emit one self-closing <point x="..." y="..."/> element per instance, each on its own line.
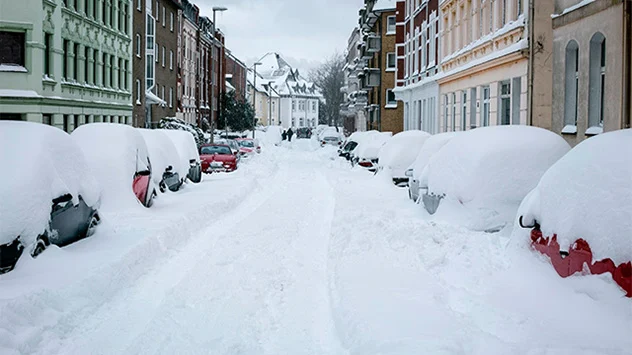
<point x="304" y="31"/>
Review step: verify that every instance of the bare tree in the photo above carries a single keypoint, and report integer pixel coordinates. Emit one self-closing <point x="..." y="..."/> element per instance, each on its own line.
<point x="329" y="79"/>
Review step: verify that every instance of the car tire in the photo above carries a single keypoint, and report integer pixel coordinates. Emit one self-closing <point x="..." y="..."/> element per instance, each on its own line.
<point x="40" y="246"/>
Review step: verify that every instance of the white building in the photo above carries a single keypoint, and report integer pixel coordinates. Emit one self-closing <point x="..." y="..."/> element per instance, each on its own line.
<point x="355" y="98"/>
<point x="298" y="98"/>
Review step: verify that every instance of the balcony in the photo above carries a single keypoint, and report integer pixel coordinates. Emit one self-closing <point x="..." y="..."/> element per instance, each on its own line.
<point x="371" y="77"/>
<point x="373" y="43"/>
<point x="364" y="53"/>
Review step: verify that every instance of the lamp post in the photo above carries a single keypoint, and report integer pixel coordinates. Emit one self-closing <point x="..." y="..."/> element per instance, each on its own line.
<point x="219" y="100"/>
<point x="254" y="97"/>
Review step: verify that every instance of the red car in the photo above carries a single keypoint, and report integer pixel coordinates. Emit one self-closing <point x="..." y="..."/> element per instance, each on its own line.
<point x="217" y="158"/>
<point x="248" y="146"/>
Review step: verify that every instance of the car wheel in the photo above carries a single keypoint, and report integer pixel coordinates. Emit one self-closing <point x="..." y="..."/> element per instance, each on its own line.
<point x="40" y="246"/>
<point x="162" y="187"/>
<point x="92" y="227"/>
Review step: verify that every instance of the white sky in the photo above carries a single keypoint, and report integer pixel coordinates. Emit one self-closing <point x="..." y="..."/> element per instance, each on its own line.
<point x="305" y="32"/>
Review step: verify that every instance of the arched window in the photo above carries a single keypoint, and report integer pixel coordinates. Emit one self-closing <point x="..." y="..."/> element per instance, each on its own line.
<point x="571" y="81"/>
<point x="597" y="80"/>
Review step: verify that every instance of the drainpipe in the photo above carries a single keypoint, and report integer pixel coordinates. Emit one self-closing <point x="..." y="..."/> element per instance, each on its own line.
<point x="530" y="76"/>
<point x="627" y="64"/>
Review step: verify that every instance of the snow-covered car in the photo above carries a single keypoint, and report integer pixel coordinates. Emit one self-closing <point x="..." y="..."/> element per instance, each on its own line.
<point x="247" y="146"/>
<point x="399" y="152"/>
<point x="330" y="140"/>
<point x="432" y="145"/>
<point x="580" y="212"/>
<point x="190" y="162"/>
<point x="118" y="157"/>
<point x="234" y="146"/>
<point x="367" y="152"/>
<point x="217" y="158"/>
<point x="303" y="133"/>
<point x="165" y="160"/>
<point x="48" y="193"/>
<point x="351" y="143"/>
<point x="479" y="178"/>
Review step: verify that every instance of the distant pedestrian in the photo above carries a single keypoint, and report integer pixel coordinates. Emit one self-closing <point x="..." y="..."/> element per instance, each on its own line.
<point x="290" y="133"/>
<point x="284" y="135"/>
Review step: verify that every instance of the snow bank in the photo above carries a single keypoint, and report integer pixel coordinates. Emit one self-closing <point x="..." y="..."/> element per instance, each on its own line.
<point x="271" y="136"/>
<point x="588" y="194"/>
<point x="400" y="151"/>
<point x="115" y="152"/>
<point x="186" y="147"/>
<point x="486" y="172"/>
<point x="369" y="147"/>
<point x="431" y="146"/>
<point x="162" y="153"/>
<point x="40" y="163"/>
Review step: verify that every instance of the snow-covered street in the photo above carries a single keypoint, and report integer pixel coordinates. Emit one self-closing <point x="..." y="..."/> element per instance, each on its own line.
<point x="298" y="253"/>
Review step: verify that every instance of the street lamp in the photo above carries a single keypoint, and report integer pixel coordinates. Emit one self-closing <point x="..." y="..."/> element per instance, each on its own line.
<point x="254" y="97"/>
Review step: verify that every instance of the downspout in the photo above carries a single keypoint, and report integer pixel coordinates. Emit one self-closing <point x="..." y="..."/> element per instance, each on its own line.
<point x="379" y="65"/>
<point x="530" y="75"/>
<point x="627" y="64"/>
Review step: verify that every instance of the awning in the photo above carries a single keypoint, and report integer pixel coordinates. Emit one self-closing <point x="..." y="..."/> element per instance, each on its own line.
<point x="152" y="99"/>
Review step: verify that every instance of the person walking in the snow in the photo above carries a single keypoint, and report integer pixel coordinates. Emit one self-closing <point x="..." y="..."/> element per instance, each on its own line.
<point x="290" y="133"/>
<point x="284" y="135"/>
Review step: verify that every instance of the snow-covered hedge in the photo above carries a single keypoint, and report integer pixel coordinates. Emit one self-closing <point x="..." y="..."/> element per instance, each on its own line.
<point x="178" y="124"/>
<point x="485" y="173"/>
<point x="431" y="146"/>
<point x="115" y="152"/>
<point x="162" y="153"/>
<point x="588" y="194"/>
<point x="401" y="150"/>
<point x="39" y="163"/>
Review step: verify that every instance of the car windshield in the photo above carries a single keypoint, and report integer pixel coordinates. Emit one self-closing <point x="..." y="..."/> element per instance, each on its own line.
<point x="350" y="146"/>
<point x="215" y="149"/>
<point x="331" y="139"/>
<point x="247" y="144"/>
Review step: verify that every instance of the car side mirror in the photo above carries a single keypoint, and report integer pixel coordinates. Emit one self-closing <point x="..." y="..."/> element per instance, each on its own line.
<point x="169" y="168"/>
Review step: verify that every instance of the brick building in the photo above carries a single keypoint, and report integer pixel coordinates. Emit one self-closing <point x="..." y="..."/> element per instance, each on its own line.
<point x="189" y="61"/>
<point x="236" y="72"/>
<point x="205" y="95"/>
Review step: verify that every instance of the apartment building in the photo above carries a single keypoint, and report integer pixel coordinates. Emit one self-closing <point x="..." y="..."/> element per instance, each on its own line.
<point x="418" y="63"/>
<point x="68" y="62"/>
<point x="484" y="60"/>
<point x="352" y="109"/>
<point x="265" y="100"/>
<point x="236" y="73"/>
<point x="592" y="68"/>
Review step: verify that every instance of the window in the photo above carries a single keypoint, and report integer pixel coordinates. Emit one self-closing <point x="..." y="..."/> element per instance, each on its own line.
<point x="138" y="45"/>
<point x="504" y="113"/>
<point x="454" y="111"/>
<point x="66" y="125"/>
<point x="480" y="20"/>
<point x="163" y="56"/>
<point x="445" y="113"/>
<point x="423" y="49"/>
<point x="121" y="78"/>
<point x="95" y="65"/>
<point x="391" y="25"/>
<point x="86" y="65"/>
<point x="48" y="42"/>
<point x="162" y="96"/>
<point x="157" y="52"/>
<point x="13" y="48"/>
<point x="422" y="115"/>
<point x="103" y="10"/>
<point x="76" y="53"/>
<point x="314" y="106"/>
<point x="164" y="17"/>
<point x="390" y="98"/>
<point x="503" y="15"/>
<point x="137" y="92"/>
<point x="473" y="100"/>
<point x="463" y="110"/>
<point x="486" y="108"/>
<point x="139" y="5"/>
<point x="105" y="72"/>
<point x="390" y="60"/>
<point x="519" y="7"/>
<point x="76" y="122"/>
<point x="64" y="65"/>
<point x="47" y="119"/>
<point x="170" y="97"/>
<point x="293" y="105"/>
<point x="597" y="80"/>
<point x="111" y="71"/>
<point x="170" y="60"/>
<point x="171" y="21"/>
<point x="491" y="16"/>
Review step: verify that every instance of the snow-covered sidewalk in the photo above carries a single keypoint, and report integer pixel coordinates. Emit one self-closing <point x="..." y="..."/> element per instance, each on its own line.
<point x="296" y="253"/>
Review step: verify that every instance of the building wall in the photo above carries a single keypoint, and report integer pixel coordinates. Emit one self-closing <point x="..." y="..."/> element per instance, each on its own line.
<point x="81" y="95"/>
<point x="391" y="115"/>
<point x="165" y="72"/>
<point x="138" y="50"/>
<point x="580" y="25"/>
<point x="189" y="62"/>
<point x="237" y="70"/>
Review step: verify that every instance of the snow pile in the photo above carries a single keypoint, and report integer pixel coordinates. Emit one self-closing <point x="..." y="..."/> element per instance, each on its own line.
<point x="588" y="194"/>
<point x="162" y="154"/>
<point x="330" y="132"/>
<point x="115" y="152"/>
<point x="271" y="136"/>
<point x="40" y="163"/>
<point x="485" y="173"/>
<point x="178" y="124"/>
<point x="429" y="149"/>
<point x="400" y="151"/>
<point x="369" y="146"/>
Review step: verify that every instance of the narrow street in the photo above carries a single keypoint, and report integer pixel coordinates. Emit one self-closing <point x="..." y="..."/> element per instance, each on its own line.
<point x="295" y="253"/>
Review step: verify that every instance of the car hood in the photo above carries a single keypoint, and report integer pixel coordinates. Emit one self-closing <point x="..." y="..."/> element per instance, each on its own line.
<point x="218" y="157"/>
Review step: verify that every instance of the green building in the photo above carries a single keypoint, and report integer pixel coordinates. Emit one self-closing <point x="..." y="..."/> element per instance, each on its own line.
<point x="66" y="62"/>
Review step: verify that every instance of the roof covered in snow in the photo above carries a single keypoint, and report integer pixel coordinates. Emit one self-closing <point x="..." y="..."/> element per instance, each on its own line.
<point x="287" y="81"/>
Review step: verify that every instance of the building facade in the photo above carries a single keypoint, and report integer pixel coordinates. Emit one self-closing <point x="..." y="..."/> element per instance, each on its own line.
<point x="417" y="55"/>
<point x="205" y="95"/>
<point x="189" y="61"/>
<point x="236" y="74"/>
<point x="68" y="62"/>
<point x="591" y="61"/>
<point x="484" y="62"/>
<point x="265" y="100"/>
<point x="298" y="98"/>
<point x="352" y="109"/>
<point x="378" y="49"/>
